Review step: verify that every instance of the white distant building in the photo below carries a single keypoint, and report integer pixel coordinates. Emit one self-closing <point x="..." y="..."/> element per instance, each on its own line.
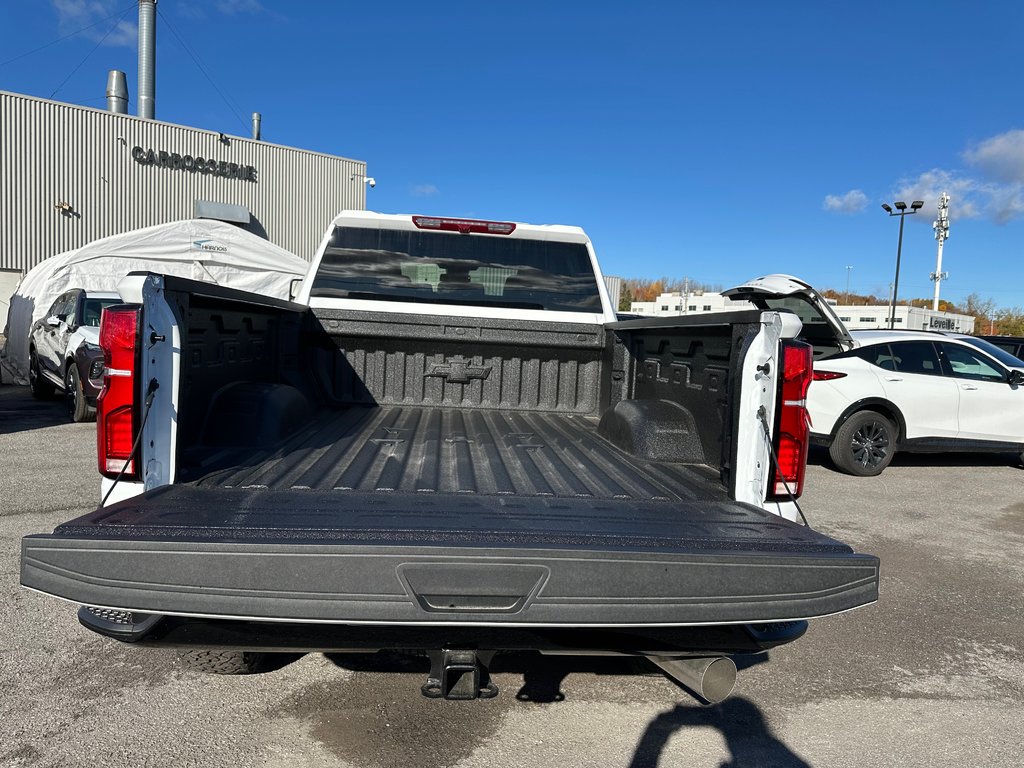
<point x="686" y="304"/>
<point x="860" y="317"/>
<point x="855" y="317"/>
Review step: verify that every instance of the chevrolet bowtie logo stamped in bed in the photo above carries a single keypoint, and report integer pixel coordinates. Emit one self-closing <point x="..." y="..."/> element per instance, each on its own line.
<point x="458" y="371"/>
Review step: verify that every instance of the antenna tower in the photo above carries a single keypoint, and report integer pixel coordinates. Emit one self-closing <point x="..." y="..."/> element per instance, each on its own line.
<point x="941" y="227"/>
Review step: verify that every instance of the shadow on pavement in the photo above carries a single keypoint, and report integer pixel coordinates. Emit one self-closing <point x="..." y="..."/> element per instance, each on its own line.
<point x="19" y="411"/>
<point x="542" y="675"/>
<point x="748" y="737"/>
<point x="818" y="456"/>
<point x="742" y="724"/>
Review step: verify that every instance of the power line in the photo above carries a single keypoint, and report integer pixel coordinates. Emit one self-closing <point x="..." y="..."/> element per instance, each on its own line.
<point x="202" y="69"/>
<point x="59" y="39"/>
<point x="90" y="53"/>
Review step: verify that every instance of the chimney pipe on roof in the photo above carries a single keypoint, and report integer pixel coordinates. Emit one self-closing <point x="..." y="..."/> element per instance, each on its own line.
<point x="117" y="92"/>
<point x="147" y="58"/>
<point x="256" y="118"/>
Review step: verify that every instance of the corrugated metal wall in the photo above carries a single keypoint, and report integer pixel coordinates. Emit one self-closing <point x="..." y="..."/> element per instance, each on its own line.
<point x="52" y="153"/>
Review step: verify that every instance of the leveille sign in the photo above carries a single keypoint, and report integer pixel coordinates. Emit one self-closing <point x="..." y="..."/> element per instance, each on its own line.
<point x="943" y="324"/>
<point x="191" y="164"/>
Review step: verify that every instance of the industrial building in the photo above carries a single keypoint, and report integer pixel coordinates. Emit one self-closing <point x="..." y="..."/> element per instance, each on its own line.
<point x="855" y="317"/>
<point x="70" y="175"/>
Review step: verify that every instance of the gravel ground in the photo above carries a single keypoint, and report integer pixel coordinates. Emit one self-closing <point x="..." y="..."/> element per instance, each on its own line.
<point x="933" y="675"/>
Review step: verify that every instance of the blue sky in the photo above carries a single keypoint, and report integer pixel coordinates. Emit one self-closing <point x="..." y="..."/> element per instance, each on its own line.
<point x="716" y="141"/>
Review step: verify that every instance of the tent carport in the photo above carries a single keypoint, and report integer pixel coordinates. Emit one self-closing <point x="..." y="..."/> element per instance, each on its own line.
<point x="200" y="249"/>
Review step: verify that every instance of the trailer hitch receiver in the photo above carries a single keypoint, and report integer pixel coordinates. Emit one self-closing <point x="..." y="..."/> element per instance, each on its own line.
<point x="459" y="675"/>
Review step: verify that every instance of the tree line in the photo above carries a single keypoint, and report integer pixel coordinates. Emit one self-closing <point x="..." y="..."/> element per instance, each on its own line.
<point x="988" y="318"/>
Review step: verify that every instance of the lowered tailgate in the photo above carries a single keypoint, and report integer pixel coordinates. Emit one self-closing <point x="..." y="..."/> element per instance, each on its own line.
<point x="407" y="558"/>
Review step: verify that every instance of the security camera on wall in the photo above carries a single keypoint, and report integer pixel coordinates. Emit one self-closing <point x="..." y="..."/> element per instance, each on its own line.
<point x="371" y="181"/>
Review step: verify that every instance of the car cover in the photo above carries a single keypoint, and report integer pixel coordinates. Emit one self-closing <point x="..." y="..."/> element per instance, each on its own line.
<point x="200" y="249"/>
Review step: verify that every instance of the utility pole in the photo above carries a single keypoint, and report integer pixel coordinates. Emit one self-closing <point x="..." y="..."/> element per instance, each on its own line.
<point x="686" y="295"/>
<point x="847" y="297"/>
<point x="941" y="227"/>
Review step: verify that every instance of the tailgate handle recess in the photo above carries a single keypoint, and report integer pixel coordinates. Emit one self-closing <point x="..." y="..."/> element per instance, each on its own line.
<point x="472" y="587"/>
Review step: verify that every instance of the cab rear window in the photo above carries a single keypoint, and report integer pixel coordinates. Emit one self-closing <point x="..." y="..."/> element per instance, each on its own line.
<point x="454" y="268"/>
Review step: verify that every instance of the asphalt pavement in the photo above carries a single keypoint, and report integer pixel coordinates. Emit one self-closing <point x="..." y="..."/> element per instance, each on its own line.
<point x="932" y="675"/>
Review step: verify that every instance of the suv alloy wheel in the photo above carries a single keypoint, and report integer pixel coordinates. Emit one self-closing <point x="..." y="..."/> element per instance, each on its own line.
<point x="864" y="445"/>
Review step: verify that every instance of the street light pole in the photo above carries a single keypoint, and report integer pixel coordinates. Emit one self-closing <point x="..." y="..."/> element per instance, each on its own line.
<point x="847" y="297"/>
<point x="901" y="211"/>
<point x="896" y="280"/>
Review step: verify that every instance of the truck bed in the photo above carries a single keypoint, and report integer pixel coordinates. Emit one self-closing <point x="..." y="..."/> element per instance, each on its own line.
<point x="434" y="516"/>
<point x="427" y="450"/>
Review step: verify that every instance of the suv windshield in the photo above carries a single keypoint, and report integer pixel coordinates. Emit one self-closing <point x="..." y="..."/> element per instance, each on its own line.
<point x="452" y="268"/>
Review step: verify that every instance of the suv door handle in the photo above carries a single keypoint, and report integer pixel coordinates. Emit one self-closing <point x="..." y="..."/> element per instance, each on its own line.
<point x="894" y="378"/>
<point x="967" y="386"/>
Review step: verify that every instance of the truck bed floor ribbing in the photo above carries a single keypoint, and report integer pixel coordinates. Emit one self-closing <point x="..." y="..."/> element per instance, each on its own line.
<point x="427" y="450"/>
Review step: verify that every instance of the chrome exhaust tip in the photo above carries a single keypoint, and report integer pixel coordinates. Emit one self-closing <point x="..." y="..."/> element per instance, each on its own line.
<point x="711" y="678"/>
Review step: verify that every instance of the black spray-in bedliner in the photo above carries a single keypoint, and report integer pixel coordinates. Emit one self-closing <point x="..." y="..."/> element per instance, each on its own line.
<point x="426" y="450"/>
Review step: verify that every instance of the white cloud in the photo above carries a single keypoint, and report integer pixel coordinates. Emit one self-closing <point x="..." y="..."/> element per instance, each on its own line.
<point x="992" y="187"/>
<point x="126" y="34"/>
<point x="100" y="18"/>
<point x="1006" y="203"/>
<point x="852" y="202"/>
<point x="425" y="190"/>
<point x="73" y="15"/>
<point x="1000" y="157"/>
<point x="969" y="197"/>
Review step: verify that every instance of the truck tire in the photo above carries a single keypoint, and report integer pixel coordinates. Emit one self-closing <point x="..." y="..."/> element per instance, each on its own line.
<point x="78" y="407"/>
<point x="224" y="662"/>
<point x="41" y="388"/>
<point x="864" y="445"/>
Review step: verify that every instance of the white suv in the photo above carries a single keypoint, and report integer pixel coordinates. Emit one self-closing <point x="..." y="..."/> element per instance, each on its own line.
<point x="876" y="392"/>
<point x="915" y="391"/>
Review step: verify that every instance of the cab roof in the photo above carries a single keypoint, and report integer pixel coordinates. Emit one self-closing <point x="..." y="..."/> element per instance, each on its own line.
<point x="372" y="219"/>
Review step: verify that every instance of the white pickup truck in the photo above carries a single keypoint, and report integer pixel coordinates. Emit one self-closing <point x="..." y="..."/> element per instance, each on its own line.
<point x="450" y="445"/>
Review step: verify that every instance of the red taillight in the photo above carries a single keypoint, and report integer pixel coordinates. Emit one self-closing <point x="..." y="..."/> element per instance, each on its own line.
<point x="827" y="375"/>
<point x="465" y="226"/>
<point x="792" y="426"/>
<point x="116" y="411"/>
